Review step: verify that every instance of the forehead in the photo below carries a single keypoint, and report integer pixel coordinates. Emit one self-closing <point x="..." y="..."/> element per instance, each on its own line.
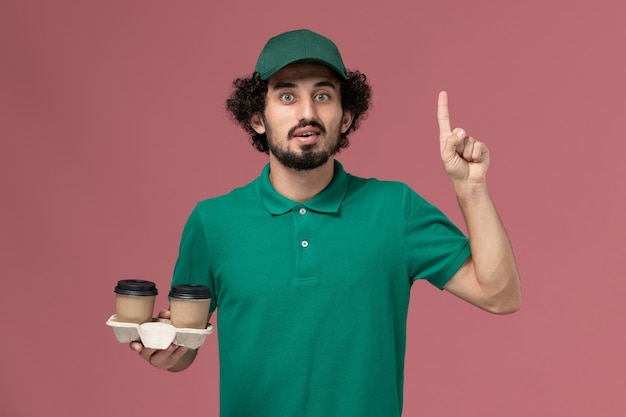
<point x="302" y="72"/>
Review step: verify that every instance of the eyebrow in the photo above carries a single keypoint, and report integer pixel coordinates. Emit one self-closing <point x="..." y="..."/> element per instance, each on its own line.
<point x="286" y="84"/>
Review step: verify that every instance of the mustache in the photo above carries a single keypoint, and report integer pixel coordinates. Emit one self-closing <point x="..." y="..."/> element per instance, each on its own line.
<point x="303" y="124"/>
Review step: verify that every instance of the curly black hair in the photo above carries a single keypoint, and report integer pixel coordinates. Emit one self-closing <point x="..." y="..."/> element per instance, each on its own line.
<point x="248" y="98"/>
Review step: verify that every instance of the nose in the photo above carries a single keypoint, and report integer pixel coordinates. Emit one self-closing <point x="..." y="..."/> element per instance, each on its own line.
<point x="307" y="109"/>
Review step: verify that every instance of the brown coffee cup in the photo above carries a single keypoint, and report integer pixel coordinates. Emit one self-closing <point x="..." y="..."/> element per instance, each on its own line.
<point x="189" y="306"/>
<point x="134" y="300"/>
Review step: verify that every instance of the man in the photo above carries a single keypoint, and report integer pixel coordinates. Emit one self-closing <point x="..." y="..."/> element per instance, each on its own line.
<point x="311" y="267"/>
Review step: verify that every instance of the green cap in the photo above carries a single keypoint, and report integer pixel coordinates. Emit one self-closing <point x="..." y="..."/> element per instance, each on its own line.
<point x="297" y="46"/>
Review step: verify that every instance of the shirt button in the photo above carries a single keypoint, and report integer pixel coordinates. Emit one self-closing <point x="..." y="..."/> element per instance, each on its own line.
<point x="305" y="243"/>
<point x="303" y="211"/>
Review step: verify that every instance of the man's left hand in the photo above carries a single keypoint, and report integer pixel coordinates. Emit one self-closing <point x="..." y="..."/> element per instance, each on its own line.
<point x="465" y="159"/>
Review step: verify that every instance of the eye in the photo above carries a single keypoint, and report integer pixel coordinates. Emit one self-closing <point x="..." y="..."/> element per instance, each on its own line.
<point x="322" y="97"/>
<point x="287" y="97"/>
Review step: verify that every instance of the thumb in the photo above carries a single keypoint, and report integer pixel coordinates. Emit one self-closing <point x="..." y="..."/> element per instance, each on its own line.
<point x="453" y="144"/>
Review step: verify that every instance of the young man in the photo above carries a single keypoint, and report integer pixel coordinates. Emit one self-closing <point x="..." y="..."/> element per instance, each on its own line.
<point x="310" y="267"/>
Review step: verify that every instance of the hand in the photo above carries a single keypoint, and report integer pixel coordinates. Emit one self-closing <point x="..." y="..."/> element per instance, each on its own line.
<point x="465" y="159"/>
<point x="166" y="359"/>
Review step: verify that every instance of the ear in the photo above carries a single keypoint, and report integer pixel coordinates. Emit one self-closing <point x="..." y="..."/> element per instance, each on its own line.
<point x="346" y="121"/>
<point x="256" y="121"/>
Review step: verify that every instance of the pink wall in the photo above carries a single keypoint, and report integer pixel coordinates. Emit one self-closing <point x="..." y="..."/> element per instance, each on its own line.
<point x="112" y="127"/>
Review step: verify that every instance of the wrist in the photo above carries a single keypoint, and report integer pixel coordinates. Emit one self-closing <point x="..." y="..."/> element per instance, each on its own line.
<point x="184" y="361"/>
<point x="467" y="191"/>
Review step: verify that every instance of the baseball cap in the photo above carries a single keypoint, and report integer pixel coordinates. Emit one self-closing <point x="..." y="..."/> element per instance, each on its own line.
<point x="297" y="46"/>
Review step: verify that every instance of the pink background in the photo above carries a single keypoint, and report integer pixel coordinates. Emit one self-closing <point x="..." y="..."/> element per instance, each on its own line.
<point x="112" y="127"/>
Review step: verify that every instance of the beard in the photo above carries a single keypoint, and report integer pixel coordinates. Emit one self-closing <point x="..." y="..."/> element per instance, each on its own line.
<point x="308" y="158"/>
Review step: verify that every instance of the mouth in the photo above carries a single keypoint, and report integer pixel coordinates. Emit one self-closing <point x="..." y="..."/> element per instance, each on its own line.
<point x="306" y="135"/>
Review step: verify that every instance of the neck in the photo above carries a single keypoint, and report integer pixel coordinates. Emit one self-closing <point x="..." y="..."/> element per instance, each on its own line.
<point x="300" y="186"/>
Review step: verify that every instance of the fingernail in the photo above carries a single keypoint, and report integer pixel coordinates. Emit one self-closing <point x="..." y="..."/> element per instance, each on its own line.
<point x="461" y="133"/>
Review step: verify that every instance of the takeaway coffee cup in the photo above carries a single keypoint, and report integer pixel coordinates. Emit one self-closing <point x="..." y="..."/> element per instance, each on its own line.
<point x="189" y="306"/>
<point x="134" y="300"/>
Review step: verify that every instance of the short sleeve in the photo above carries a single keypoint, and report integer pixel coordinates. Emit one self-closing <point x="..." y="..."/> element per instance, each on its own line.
<point x="435" y="247"/>
<point x="192" y="265"/>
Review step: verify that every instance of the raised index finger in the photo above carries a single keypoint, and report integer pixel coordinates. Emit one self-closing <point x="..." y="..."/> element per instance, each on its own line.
<point x="443" y="116"/>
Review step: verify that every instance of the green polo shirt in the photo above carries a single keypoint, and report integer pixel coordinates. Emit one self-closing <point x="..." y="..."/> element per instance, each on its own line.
<point x="312" y="298"/>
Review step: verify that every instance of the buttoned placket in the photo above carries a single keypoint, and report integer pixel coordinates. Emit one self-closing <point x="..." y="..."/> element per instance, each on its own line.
<point x="304" y="239"/>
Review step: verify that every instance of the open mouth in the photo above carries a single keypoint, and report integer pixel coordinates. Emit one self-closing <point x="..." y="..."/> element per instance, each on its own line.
<point x="306" y="135"/>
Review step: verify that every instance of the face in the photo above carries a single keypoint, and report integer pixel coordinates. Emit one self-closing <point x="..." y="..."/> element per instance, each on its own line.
<point x="303" y="119"/>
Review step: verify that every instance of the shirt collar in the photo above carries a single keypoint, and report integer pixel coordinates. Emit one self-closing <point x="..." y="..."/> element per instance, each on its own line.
<point x="326" y="201"/>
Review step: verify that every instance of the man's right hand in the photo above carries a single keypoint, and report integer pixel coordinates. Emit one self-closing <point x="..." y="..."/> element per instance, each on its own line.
<point x="174" y="358"/>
